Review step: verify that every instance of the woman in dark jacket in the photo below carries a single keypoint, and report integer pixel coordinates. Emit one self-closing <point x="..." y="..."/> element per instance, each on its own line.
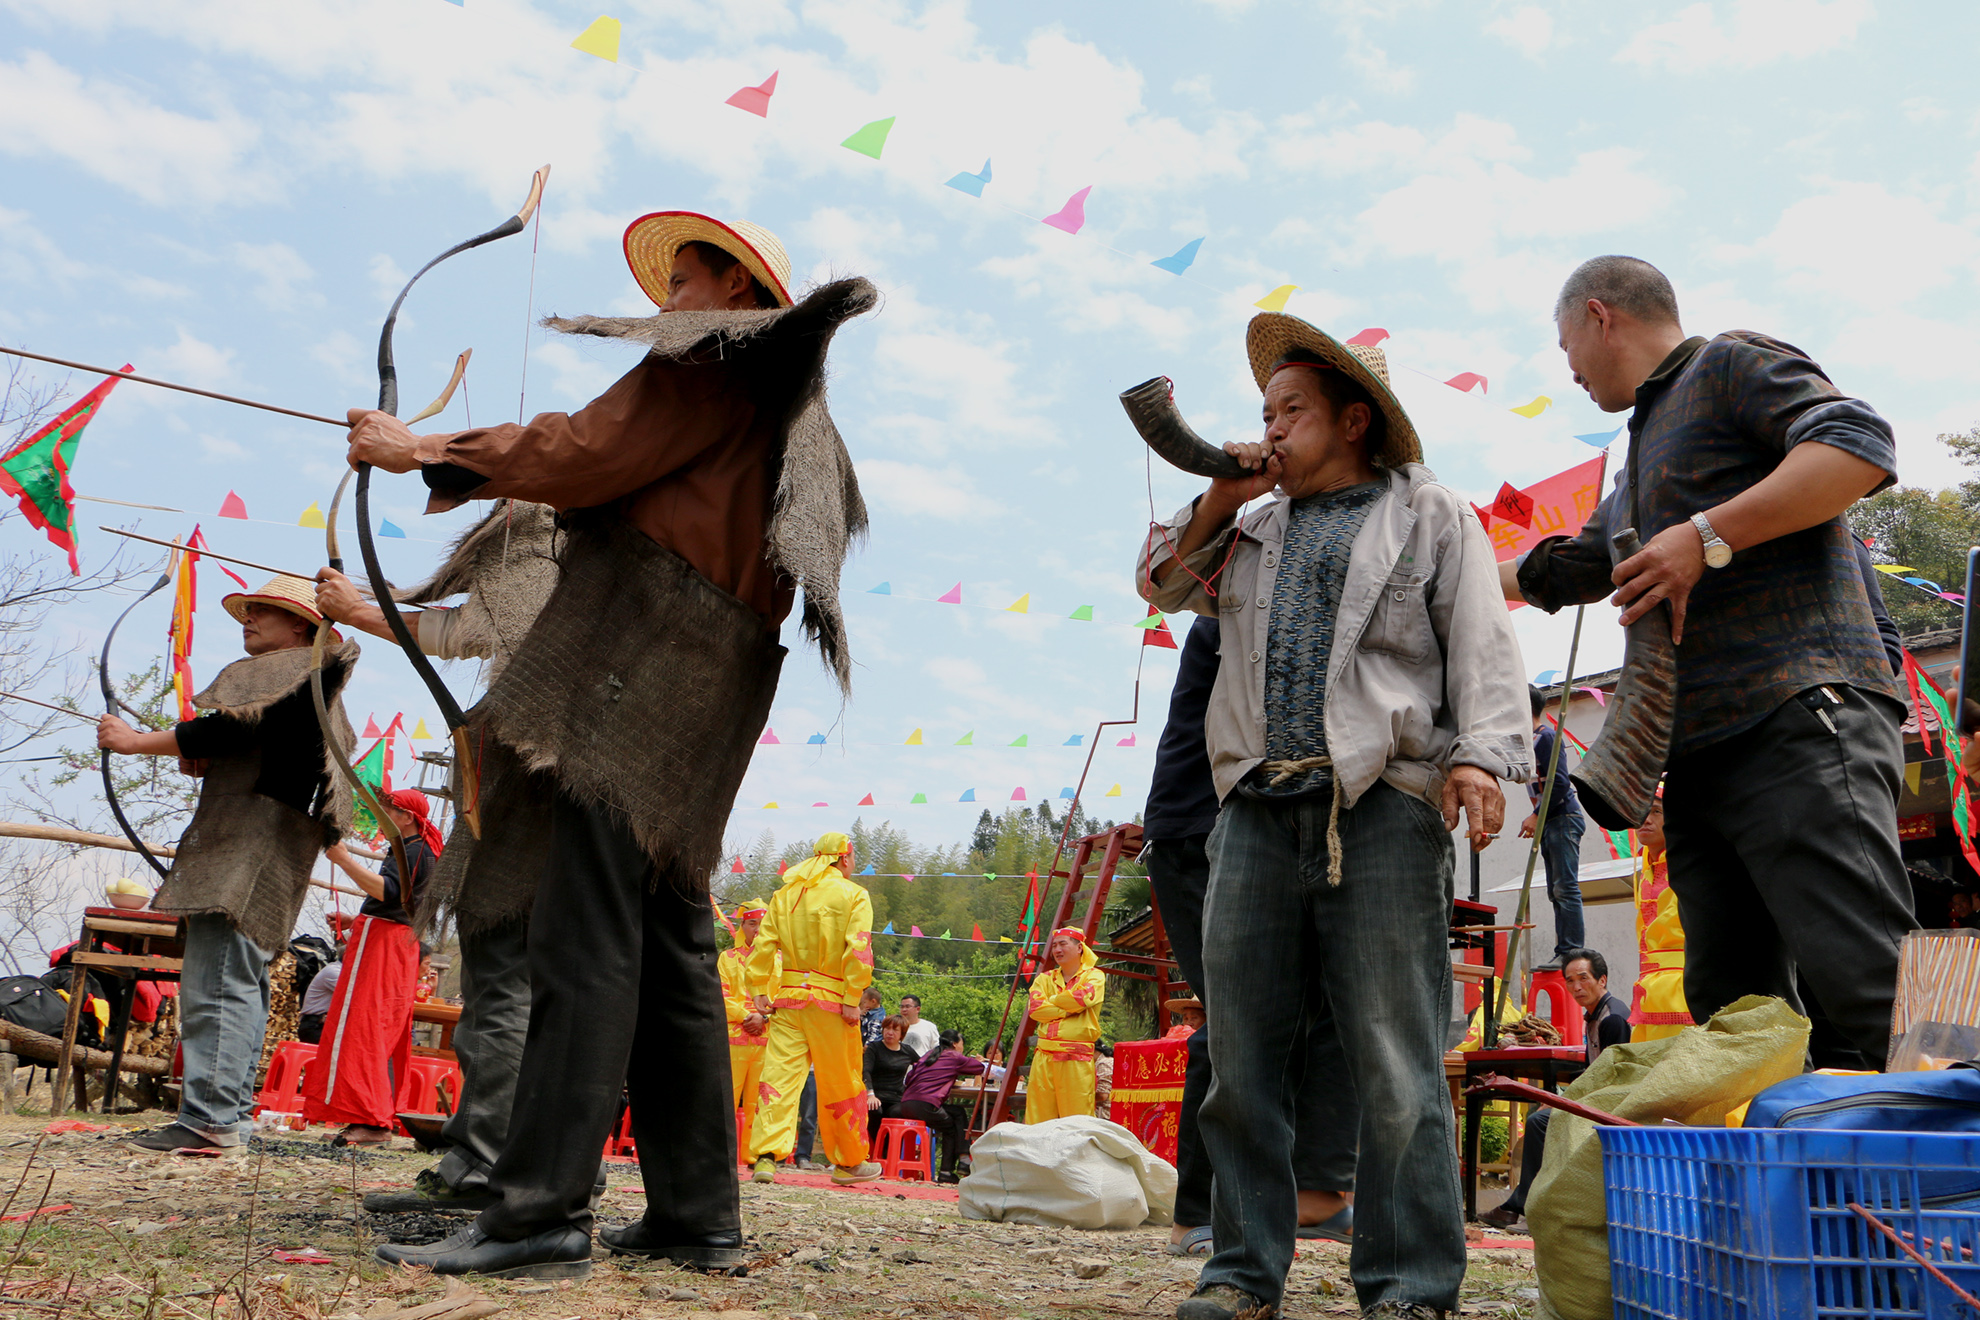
<point x="887" y="1063"/>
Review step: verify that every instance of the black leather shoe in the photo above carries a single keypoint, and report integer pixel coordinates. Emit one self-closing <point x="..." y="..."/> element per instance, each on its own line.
<point x="430" y="1195"/>
<point x="712" y="1253"/>
<point x="559" y="1253"/>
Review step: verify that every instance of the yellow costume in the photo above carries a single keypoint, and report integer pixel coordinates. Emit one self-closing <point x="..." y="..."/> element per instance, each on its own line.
<point x="1068" y="1016"/>
<point x="1658" y="1009"/>
<point x="746" y="1051"/>
<point x="820" y="925"/>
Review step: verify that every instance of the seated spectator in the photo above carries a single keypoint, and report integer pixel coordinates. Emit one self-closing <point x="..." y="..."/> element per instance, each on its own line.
<point x="871" y="1017"/>
<point x="1605" y="1021"/>
<point x="887" y="1064"/>
<point x="316" y="1001"/>
<point x="922" y="1034"/>
<point x="1186" y="1017"/>
<point x="1103" y="1080"/>
<point x="993" y="1059"/>
<point x="928" y="1083"/>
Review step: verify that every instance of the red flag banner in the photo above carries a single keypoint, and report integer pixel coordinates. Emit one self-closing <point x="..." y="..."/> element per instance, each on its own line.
<point x="1513" y="507"/>
<point x="1556" y="506"/>
<point x="36" y="471"/>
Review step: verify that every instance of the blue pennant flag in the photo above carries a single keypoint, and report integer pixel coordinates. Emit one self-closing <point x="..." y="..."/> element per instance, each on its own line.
<point x="1066" y="793"/>
<point x="969" y="795"/>
<point x="814" y="740"/>
<point x="890" y="929"/>
<point x="1184" y="258"/>
<point x="1077" y="740"/>
<point x="868" y="870"/>
<point x="1599" y="439"/>
<point x="884" y="589"/>
<point x="972" y="183"/>
<point x="386" y="528"/>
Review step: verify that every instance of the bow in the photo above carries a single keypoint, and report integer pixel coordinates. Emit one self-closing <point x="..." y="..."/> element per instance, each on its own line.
<point x="111" y="703"/>
<point x="468" y="786"/>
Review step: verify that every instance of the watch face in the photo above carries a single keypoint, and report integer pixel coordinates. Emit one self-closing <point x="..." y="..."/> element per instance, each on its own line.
<point x="1718" y="556"/>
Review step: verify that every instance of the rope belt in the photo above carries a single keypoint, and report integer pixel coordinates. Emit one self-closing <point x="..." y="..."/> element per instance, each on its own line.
<point x="1285" y="771"/>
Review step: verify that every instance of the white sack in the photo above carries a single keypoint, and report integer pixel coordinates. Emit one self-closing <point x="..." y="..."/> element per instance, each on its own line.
<point x="1079" y="1172"/>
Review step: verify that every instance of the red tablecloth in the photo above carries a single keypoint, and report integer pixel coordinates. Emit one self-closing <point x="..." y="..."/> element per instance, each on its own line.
<point x="1148" y="1087"/>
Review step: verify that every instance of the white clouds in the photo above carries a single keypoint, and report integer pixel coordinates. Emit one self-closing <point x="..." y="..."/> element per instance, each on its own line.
<point x="281" y="275"/>
<point x="913" y="490"/>
<point x="107" y="130"/>
<point x="1528" y="29"/>
<point x="1745" y="34"/>
<point x="1861" y="243"/>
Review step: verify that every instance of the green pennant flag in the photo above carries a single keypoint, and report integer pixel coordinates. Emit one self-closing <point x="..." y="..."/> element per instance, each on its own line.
<point x="945" y="935"/>
<point x="36" y="471"/>
<point x="872" y="139"/>
<point x="371" y="769"/>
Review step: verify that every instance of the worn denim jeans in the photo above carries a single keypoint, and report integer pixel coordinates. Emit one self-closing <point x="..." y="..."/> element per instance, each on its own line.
<point x="1279" y="942"/>
<point x="223" y="1017"/>
<point x="1560" y="849"/>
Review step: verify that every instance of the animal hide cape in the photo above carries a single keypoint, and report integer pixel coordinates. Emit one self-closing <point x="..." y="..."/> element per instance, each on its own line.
<point x="642" y="686"/>
<point x="245" y="856"/>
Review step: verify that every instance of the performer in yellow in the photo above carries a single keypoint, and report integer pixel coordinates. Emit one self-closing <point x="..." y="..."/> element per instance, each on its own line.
<point x="820" y="924"/>
<point x="1065" y="1003"/>
<point x="748" y="1029"/>
<point x="1658" y="1008"/>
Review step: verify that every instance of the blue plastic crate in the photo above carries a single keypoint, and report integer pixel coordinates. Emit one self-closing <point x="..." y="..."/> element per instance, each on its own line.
<point x="1753" y="1224"/>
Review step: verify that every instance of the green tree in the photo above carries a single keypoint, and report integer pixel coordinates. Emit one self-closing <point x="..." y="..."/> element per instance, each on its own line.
<point x="1929" y="532"/>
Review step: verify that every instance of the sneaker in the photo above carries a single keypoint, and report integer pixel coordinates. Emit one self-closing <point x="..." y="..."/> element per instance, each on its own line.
<point x="867" y="1172"/>
<point x="1499" y="1216"/>
<point x="1223" y="1302"/>
<point x="766" y="1170"/>
<point x="175" y="1137"/>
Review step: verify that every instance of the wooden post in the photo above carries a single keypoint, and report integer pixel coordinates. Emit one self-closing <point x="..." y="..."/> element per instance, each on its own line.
<point x="7" y="1062"/>
<point x="78" y="991"/>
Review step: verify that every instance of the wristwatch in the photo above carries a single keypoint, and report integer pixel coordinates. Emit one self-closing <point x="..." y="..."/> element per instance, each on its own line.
<point x="1717" y="553"/>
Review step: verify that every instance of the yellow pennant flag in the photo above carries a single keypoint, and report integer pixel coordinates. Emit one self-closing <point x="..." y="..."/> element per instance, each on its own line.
<point x="600" y="39"/>
<point x="311" y="517"/>
<point x="1894" y="568"/>
<point x="1022" y="605"/>
<point x="1914" y="774"/>
<point x="770" y="806"/>
<point x="1115" y="791"/>
<point x="913" y="739"/>
<point x="1534" y="409"/>
<point x="419" y="733"/>
<point x="1275" y="301"/>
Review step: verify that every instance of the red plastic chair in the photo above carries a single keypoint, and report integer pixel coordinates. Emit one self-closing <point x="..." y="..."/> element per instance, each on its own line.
<point x="282" y="1091"/>
<point x="1562" y="1011"/>
<point x="904" y="1150"/>
<point x="620" y="1146"/>
<point x="419" y="1089"/>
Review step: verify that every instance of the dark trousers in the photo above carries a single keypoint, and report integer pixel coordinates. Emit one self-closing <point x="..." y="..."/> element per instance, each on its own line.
<point x="1560" y="849"/>
<point x="623" y="992"/>
<point x="1530" y="1155"/>
<point x="489" y="1042"/>
<point x="1784" y="855"/>
<point x="807" y="1132"/>
<point x="1328" y="1115"/>
<point x="946" y="1123"/>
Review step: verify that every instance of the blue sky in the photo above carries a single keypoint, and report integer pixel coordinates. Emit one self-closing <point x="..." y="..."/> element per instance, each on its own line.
<point x="227" y="193"/>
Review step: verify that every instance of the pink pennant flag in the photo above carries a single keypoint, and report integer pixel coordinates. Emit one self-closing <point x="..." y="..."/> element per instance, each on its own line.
<point x="371" y="728"/>
<point x="737" y="869"/>
<point x="1370" y="337"/>
<point x="1017" y="795"/>
<point x="953" y="596"/>
<point x="821" y="804"/>
<point x="915" y="931"/>
<point x="756" y="99"/>
<point x="1126" y="742"/>
<point x="1464" y="380"/>
<point x="233" y="506"/>
<point x="908" y="878"/>
<point x="1072" y="215"/>
<point x="769" y="738"/>
<point x="866" y="801"/>
<point x="1601" y="699"/>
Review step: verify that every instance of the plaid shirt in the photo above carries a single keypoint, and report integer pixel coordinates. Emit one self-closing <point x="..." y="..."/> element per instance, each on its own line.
<point x="1712" y="421"/>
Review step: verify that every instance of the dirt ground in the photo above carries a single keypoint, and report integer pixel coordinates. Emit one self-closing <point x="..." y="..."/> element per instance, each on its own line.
<point x="163" y="1236"/>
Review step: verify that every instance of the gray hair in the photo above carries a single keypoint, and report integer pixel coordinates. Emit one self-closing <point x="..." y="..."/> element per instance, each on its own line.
<point x="1627" y="284"/>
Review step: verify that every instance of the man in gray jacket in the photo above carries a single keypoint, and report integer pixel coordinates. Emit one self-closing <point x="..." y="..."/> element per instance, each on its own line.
<point x="1370" y="686"/>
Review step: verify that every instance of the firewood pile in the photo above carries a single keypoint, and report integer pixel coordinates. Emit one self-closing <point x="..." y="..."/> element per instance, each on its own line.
<point x="284" y="1009"/>
<point x="1531" y="1030"/>
<point x="155" y="1040"/>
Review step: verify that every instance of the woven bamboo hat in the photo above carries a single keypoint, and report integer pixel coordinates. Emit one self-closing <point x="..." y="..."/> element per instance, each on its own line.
<point x="653" y="241"/>
<point x="284" y="593"/>
<point x="1274" y="335"/>
<point x="1178" y="1005"/>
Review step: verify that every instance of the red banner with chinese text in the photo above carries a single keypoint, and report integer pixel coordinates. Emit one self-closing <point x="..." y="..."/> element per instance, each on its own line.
<point x="1561" y="504"/>
<point x="1148" y="1087"/>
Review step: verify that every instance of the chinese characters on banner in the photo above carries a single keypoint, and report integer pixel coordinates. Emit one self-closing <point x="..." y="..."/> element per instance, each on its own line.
<point x="1561" y="504"/>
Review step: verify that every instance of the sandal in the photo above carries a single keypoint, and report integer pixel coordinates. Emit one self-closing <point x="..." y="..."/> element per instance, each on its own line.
<point x="1339" y="1228"/>
<point x="1196" y="1242"/>
<point x="361" y="1134"/>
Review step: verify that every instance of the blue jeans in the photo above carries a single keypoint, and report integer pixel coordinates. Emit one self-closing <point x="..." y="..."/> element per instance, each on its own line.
<point x="1560" y="849"/>
<point x="1279" y="944"/>
<point x="223" y="1016"/>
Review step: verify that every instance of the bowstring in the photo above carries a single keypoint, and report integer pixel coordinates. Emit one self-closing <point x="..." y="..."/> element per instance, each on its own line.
<point x="529" y="310"/>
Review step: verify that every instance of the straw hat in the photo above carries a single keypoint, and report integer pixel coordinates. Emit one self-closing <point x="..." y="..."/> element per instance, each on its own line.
<point x="1178" y="1005"/>
<point x="283" y="592"/>
<point x="1272" y="335"/>
<point x="653" y="241"/>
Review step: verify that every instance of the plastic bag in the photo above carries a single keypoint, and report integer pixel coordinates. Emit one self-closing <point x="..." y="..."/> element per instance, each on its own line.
<point x="1079" y="1172"/>
<point x="1695" y="1077"/>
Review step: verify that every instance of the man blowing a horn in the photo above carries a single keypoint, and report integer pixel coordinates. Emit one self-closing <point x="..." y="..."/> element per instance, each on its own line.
<point x="696" y="493"/>
<point x="267" y="808"/>
<point x="1370" y="686"/>
<point x="1780" y="806"/>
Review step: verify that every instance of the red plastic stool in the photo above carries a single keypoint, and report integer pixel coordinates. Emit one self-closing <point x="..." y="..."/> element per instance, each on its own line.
<point x="282" y="1090"/>
<point x="904" y="1150"/>
<point x="619" y="1145"/>
<point x="1562" y="1011"/>
<point x="419" y="1089"/>
<point x="742" y="1137"/>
